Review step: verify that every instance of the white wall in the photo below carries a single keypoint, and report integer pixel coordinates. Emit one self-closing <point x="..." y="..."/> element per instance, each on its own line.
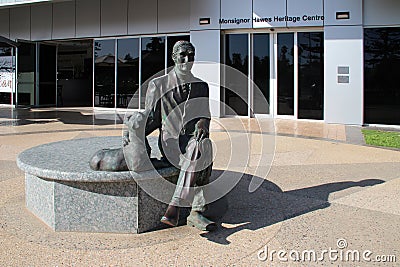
<point x="269" y="9"/>
<point x="240" y="9"/>
<point x="20" y="23"/>
<point x="5" y="23"/>
<point x="97" y="18"/>
<point x="63" y="20"/>
<point x="308" y="8"/>
<point x="87" y="18"/>
<point x="114" y="17"/>
<point x="343" y="48"/>
<point x="142" y="16"/>
<point x="352" y="6"/>
<point x="382" y="12"/>
<point x="41" y="22"/>
<point x="344" y="101"/>
<point x="207" y="44"/>
<point x="173" y="16"/>
<point x="205" y="9"/>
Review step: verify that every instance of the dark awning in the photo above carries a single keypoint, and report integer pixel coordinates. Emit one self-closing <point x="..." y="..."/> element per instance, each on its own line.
<point x="6" y="41"/>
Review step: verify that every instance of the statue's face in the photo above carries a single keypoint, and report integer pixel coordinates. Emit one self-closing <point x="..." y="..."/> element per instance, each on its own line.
<point x="184" y="59"/>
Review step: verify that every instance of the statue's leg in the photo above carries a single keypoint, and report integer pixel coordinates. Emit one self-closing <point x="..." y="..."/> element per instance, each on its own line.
<point x="199" y="204"/>
<point x="171" y="216"/>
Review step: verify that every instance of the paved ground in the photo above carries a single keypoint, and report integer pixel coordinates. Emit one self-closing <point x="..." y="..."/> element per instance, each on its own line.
<point x="325" y="193"/>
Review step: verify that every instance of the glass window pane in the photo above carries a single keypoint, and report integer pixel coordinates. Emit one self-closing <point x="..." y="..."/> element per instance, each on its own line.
<point x="128" y="73"/>
<point x="104" y="71"/>
<point x="153" y="61"/>
<point x="381" y="76"/>
<point x="261" y="61"/>
<point x="26" y="74"/>
<point x="285" y="74"/>
<point x="236" y="86"/>
<point x="7" y="71"/>
<point x="311" y="75"/>
<point x="171" y="40"/>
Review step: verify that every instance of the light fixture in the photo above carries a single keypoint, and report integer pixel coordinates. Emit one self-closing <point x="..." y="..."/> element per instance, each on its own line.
<point x="343" y="15"/>
<point x="204" y="21"/>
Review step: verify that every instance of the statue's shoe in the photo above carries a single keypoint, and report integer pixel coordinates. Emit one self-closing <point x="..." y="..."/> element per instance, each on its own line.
<point x="171" y="216"/>
<point x="169" y="221"/>
<point x="196" y="219"/>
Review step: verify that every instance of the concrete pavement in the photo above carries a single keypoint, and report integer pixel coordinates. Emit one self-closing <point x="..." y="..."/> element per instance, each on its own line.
<point x="324" y="194"/>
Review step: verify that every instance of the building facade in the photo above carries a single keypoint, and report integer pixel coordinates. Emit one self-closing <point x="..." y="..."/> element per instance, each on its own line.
<point x="336" y="61"/>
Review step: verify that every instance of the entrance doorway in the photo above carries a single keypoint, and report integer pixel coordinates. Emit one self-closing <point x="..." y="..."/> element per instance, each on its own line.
<point x="286" y="70"/>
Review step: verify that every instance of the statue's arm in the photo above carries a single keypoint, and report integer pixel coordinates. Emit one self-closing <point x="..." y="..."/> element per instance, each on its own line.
<point x="152" y="108"/>
<point x="203" y="125"/>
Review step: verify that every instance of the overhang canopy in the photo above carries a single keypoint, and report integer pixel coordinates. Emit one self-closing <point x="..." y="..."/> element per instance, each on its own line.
<point x="6" y="41"/>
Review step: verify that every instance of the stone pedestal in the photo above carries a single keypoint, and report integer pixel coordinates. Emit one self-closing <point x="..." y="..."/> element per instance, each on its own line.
<point x="67" y="195"/>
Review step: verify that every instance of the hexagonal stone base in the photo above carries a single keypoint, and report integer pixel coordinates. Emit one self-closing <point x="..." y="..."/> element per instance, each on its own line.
<point x="67" y="195"/>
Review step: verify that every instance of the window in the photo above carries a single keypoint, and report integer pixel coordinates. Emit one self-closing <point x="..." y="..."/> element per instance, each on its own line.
<point x="104" y="71"/>
<point x="381" y="76"/>
<point x="153" y="61"/>
<point x="261" y="78"/>
<point x="128" y="73"/>
<point x="285" y="74"/>
<point x="310" y="75"/>
<point x="236" y="86"/>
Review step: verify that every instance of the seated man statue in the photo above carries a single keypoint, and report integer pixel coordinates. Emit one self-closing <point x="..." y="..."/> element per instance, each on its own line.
<point x="177" y="104"/>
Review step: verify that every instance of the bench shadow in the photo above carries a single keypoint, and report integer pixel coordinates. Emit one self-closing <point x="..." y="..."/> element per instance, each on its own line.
<point x="240" y="210"/>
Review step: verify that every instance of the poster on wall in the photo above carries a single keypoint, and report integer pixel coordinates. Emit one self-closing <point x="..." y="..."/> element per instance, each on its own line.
<point x="7" y="74"/>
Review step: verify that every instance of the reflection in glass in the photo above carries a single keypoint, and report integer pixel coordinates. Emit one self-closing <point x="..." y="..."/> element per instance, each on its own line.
<point x="285" y="74"/>
<point x="237" y="57"/>
<point x="261" y="61"/>
<point x="104" y="73"/>
<point x="128" y="73"/>
<point x="381" y="76"/>
<point x="153" y="61"/>
<point x="171" y="40"/>
<point x="7" y="71"/>
<point x="311" y="75"/>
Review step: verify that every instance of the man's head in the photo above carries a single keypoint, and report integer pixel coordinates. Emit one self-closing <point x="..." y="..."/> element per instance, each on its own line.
<point x="183" y="56"/>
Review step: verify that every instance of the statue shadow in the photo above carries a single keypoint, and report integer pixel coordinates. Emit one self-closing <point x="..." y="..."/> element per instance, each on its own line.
<point x="241" y="210"/>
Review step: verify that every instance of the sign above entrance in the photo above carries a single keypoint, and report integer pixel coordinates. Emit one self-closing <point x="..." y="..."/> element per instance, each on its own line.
<point x="261" y="22"/>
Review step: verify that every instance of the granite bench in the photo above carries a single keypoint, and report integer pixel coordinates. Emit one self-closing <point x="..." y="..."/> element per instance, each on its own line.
<point x="62" y="190"/>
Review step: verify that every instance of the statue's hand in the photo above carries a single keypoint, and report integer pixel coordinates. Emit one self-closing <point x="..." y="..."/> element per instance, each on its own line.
<point x="201" y="130"/>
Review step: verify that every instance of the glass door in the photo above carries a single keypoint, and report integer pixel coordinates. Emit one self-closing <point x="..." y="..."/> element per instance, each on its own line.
<point x="261" y="73"/>
<point x="298" y="65"/>
<point x="26" y="74"/>
<point x="285" y="78"/>
<point x="235" y="81"/>
<point x="285" y="68"/>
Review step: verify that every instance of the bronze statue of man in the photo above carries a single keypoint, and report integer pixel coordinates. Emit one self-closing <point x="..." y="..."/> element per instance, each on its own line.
<point x="177" y="104"/>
